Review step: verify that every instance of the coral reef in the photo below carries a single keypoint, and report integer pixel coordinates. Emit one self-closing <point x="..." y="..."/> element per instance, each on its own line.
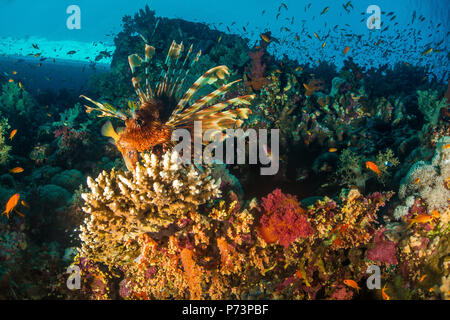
<point x="223" y="251"/>
<point x="167" y="230"/>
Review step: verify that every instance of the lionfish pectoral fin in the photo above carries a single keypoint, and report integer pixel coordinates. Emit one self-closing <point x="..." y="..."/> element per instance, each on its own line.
<point x="108" y="131"/>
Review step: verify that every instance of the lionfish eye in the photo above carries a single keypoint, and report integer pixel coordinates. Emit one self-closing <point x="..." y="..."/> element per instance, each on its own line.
<point x="139" y="121"/>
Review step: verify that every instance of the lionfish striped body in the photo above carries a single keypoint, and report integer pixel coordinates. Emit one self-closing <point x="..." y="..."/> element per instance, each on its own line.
<point x="144" y="128"/>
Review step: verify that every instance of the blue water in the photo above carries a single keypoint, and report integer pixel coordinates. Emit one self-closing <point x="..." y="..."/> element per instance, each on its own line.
<point x="403" y="41"/>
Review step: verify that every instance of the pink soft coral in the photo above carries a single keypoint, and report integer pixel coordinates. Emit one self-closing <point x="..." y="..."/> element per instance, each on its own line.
<point x="284" y="219"/>
<point x="383" y="250"/>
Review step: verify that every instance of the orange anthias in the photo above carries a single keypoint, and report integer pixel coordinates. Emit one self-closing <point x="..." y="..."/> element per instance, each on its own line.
<point x="384" y="294"/>
<point x="372" y="166"/>
<point x="352" y="284"/>
<point x="11" y="204"/>
<point x="421" y="218"/>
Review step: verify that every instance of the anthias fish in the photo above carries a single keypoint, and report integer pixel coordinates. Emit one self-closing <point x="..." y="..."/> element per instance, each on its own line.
<point x="351" y="284"/>
<point x="145" y="126"/>
<point x="373" y="167"/>
<point x="11" y="204"/>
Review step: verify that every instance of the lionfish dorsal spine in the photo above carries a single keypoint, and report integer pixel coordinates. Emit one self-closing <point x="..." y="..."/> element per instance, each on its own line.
<point x="209" y="77"/>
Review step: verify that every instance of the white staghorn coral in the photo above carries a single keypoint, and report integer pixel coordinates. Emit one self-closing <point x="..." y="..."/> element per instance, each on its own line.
<point x="122" y="205"/>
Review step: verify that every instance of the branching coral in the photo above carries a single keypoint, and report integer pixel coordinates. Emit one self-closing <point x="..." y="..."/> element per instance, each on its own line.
<point x="122" y="205"/>
<point x="351" y="169"/>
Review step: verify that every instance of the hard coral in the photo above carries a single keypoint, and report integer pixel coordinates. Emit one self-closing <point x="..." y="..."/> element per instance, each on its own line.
<point x="126" y="204"/>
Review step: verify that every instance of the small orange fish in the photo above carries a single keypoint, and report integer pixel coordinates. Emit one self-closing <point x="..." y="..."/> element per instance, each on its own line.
<point x="298" y="69"/>
<point x="14" y="72"/>
<point x="372" y="166"/>
<point x="332" y="150"/>
<point x="25" y="204"/>
<point x="422" y="278"/>
<point x="446" y="146"/>
<point x="323" y="44"/>
<point x="10" y="80"/>
<point x="49" y="115"/>
<point x="316" y="35"/>
<point x="346" y="50"/>
<point x="16" y="170"/>
<point x="384" y="294"/>
<point x="416" y="181"/>
<point x="421" y="218"/>
<point x="11" y="204"/>
<point x="12" y="134"/>
<point x="308" y="90"/>
<point x="352" y="284"/>
<point x="265" y="38"/>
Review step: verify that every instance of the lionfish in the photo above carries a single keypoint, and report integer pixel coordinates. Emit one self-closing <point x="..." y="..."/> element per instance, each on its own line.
<point x="144" y="126"/>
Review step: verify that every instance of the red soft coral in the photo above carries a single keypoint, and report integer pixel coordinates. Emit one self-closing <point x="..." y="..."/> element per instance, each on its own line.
<point x="383" y="250"/>
<point x="284" y="219"/>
